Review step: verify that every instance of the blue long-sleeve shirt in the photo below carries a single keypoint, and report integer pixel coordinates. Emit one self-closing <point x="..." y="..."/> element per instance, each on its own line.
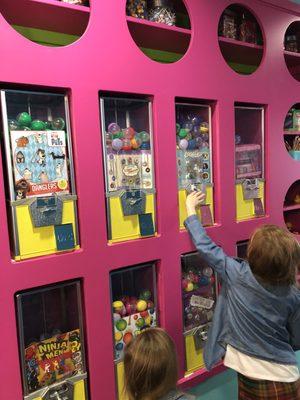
<point x="259" y="320"/>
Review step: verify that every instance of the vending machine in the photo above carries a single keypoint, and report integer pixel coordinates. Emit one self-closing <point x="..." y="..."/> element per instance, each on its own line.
<point x="129" y="167"/>
<point x="51" y="342"/>
<point x="39" y="173"/>
<point x="199" y="296"/>
<point x="134" y="308"/>
<point x="194" y="157"/>
<point x="249" y="161"/>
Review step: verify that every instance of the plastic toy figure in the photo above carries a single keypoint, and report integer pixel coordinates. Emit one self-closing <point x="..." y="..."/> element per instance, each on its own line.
<point x="22" y="188"/>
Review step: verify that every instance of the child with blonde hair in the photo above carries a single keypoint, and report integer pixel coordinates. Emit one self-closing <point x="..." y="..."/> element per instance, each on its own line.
<point x="256" y="325"/>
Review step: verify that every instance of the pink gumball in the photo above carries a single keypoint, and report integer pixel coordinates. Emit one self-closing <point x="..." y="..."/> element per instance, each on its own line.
<point x="117" y="144"/>
<point x="183" y="144"/>
<point x="128" y="133"/>
<point x="184" y="283"/>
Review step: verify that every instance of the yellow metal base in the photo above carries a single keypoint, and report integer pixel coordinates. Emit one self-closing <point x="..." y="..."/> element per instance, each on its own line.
<point x="79" y="391"/>
<point x="120" y="381"/>
<point x="127" y="228"/>
<point x="194" y="358"/>
<point x="245" y="208"/>
<point x="36" y="242"/>
<point x="182" y="209"/>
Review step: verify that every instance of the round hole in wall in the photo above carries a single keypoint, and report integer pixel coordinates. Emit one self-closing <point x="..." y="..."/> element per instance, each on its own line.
<point x="292" y="131"/>
<point x="160" y="28"/>
<point x="240" y="39"/>
<point x="292" y="49"/>
<point x="56" y="23"/>
<point x="291" y="208"/>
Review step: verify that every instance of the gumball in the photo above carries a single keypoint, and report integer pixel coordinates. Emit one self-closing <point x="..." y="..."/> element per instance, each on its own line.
<point x="130" y="308"/>
<point x="48" y="125"/>
<point x="118" y="336"/>
<point x="188" y="126"/>
<point x="199" y="141"/>
<point x="204" y="127"/>
<point x="121" y="324"/>
<point x="204" y="281"/>
<point x="24" y="119"/>
<point x="118" y="306"/>
<point x="183" y="144"/>
<point x="113" y="128"/>
<point x="207" y="271"/>
<point x="145" y="295"/>
<point x="189" y="287"/>
<point x="128" y="133"/>
<point x="13" y="125"/>
<point x="184" y="283"/>
<point x="145" y="146"/>
<point x="127" y="337"/>
<point x="145" y="136"/>
<point x="196" y="120"/>
<point x="126" y="144"/>
<point x="182" y="133"/>
<point x="135" y="142"/>
<point x="119" y="346"/>
<point x="116" y="317"/>
<point x="58" y="124"/>
<point x="195" y="278"/>
<point x="38" y="125"/>
<point x="192" y="144"/>
<point x="140" y="322"/>
<point x="117" y="144"/>
<point x="144" y="314"/>
<point x="177" y="128"/>
<point x="141" y="305"/>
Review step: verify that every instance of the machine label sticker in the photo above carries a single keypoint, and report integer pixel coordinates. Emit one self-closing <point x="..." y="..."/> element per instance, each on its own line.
<point x="201" y="302"/>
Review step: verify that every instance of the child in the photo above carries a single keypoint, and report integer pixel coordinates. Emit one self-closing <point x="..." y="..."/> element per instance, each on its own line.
<point x="256" y="324"/>
<point x="150" y="365"/>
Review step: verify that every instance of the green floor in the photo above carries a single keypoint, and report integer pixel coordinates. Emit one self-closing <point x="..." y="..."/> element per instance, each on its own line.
<point x="221" y="387"/>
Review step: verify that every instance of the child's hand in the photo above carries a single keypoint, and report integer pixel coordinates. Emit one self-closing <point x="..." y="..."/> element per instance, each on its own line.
<point x="194" y="200"/>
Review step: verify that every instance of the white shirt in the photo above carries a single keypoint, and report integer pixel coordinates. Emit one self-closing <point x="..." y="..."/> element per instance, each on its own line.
<point x="259" y="369"/>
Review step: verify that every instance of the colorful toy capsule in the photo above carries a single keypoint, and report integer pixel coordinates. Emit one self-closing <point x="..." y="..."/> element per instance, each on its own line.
<point x="24" y="119"/>
<point x="141" y="305"/>
<point x="38" y="125"/>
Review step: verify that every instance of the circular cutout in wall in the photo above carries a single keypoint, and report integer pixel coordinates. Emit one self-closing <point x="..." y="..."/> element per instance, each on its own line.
<point x="240" y="39"/>
<point x="292" y="132"/>
<point x="160" y="28"/>
<point x="49" y="23"/>
<point x="292" y="49"/>
<point x="291" y="208"/>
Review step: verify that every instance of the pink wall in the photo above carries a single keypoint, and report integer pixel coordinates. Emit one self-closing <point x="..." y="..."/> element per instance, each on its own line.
<point x="107" y="59"/>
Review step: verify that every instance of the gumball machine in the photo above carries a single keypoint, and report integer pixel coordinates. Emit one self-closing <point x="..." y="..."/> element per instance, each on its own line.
<point x="37" y="153"/>
<point x="199" y="295"/>
<point x="51" y="342"/>
<point x="194" y="157"/>
<point x="128" y="164"/>
<point x="134" y="309"/>
<point x="249" y="161"/>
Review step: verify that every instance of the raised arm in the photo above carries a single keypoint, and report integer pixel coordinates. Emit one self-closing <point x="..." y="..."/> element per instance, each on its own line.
<point x="294" y="329"/>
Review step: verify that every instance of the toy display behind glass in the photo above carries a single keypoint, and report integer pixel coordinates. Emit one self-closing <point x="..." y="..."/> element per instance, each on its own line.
<point x="134" y="304"/>
<point x="199" y="294"/>
<point x="51" y="337"/>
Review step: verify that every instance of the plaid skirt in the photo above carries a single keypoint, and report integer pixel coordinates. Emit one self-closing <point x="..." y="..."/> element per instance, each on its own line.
<point x="250" y="389"/>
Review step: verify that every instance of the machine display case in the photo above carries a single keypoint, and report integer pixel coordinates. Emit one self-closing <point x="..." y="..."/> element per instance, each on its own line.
<point x="38" y="162"/>
<point x="194" y="157"/>
<point x="134" y="308"/>
<point x="199" y="296"/>
<point x="129" y="167"/>
<point x="51" y="342"/>
<point x="249" y="161"/>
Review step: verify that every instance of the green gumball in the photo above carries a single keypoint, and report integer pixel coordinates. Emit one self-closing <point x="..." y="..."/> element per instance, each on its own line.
<point x="182" y="133"/>
<point x="117" y="135"/>
<point x="140" y="323"/>
<point x="121" y="324"/>
<point x="145" y="295"/>
<point x="48" y="126"/>
<point x="38" y="125"/>
<point x="24" y="119"/>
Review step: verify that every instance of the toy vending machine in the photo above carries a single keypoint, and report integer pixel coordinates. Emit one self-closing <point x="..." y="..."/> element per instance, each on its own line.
<point x="51" y="342"/>
<point x="129" y="167"/>
<point x="194" y="157"/>
<point x="40" y="183"/>
<point x="249" y="161"/>
<point x="134" y="308"/>
<point x="199" y="296"/>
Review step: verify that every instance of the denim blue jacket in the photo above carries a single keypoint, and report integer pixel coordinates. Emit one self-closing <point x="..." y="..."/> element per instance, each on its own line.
<point x="259" y="320"/>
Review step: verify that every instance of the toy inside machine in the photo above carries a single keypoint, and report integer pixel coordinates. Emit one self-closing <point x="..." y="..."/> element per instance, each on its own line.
<point x="51" y="342"/>
<point x="194" y="157"/>
<point x="128" y="162"/>
<point x="134" y="308"/>
<point x="249" y="161"/>
<point x="37" y="156"/>
<point x="199" y="295"/>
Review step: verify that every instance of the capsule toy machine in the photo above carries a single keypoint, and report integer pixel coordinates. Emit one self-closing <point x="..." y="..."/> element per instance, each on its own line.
<point x="199" y="296"/>
<point x="194" y="157"/>
<point x="51" y="342"/>
<point x="38" y="167"/>
<point x="134" y="309"/>
<point x="129" y="167"/>
<point x="249" y="161"/>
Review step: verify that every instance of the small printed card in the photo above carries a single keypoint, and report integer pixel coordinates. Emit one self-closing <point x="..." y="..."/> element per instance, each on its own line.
<point x="201" y="302"/>
<point x="64" y="236"/>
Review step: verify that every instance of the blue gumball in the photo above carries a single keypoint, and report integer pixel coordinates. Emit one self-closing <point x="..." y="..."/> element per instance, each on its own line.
<point x="119" y="346"/>
<point x="204" y="281"/>
<point x="192" y="144"/>
<point x="145" y="146"/>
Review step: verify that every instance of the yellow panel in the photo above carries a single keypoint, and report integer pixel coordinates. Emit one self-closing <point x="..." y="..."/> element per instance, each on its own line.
<point x="120" y="381"/>
<point x="182" y="208"/>
<point x="245" y="208"/>
<point x="194" y="358"/>
<point x="34" y="242"/>
<point x="127" y="228"/>
<point x="79" y="390"/>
